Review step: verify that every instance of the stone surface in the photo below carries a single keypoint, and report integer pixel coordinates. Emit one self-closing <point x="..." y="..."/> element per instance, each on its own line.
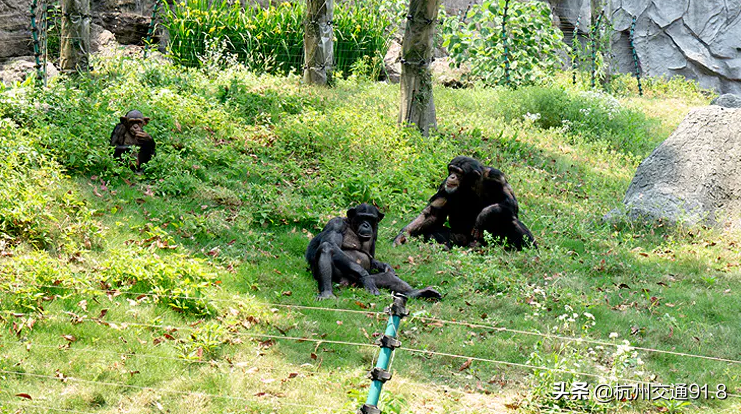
<point x="727" y="101"/>
<point x="127" y="19"/>
<point x="448" y="76"/>
<point x="698" y="39"/>
<point x="392" y="62"/>
<point x="18" y="69"/>
<point x="694" y="177"/>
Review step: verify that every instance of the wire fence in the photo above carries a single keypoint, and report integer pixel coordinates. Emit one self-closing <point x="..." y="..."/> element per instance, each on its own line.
<point x="275" y="44"/>
<point x="423" y="319"/>
<point x="122" y="325"/>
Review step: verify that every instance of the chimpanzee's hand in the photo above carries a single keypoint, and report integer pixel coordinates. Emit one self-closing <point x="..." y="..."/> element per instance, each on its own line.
<point x="400" y="239"/>
<point x="369" y="283"/>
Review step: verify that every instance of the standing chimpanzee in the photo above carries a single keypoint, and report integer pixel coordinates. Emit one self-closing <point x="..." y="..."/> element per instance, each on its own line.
<point x="130" y="131"/>
<point x="473" y="198"/>
<point x="345" y="251"/>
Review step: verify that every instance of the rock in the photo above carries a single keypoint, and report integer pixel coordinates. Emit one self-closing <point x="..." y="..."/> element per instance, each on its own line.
<point x="18" y="69"/>
<point x="727" y="101"/>
<point x="127" y="19"/>
<point x="694" y="177"/>
<point x="449" y="76"/>
<point x="392" y="62"/>
<point x="699" y="40"/>
<point x="15" y="33"/>
<point x="130" y="28"/>
<point x="101" y="38"/>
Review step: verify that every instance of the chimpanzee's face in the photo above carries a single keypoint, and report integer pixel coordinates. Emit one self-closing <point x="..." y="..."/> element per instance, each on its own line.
<point x="364" y="221"/>
<point x="364" y="225"/>
<point x="135" y="128"/>
<point x="455" y="176"/>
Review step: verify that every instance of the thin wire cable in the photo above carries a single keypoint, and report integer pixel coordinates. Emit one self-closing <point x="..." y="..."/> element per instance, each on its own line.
<point x="162" y="390"/>
<point x="303" y="339"/>
<point x="589" y="341"/>
<point x="23" y="404"/>
<point x="516" y="364"/>
<point x="123" y="292"/>
<point x="423" y="319"/>
<point x="135" y="354"/>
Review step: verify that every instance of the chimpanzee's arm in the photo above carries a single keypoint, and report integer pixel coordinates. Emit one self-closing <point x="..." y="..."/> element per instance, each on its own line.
<point x="434" y="215"/>
<point x="117" y="136"/>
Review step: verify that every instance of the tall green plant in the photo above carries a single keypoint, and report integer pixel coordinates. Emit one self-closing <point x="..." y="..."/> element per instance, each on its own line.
<point x="532" y="41"/>
<point x="271" y="39"/>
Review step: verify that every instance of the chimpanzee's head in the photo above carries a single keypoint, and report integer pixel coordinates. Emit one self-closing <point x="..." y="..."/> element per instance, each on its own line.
<point x="134" y="121"/>
<point x="462" y="172"/>
<point x="364" y="221"/>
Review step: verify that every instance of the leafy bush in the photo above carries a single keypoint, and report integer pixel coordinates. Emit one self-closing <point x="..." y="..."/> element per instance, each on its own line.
<point x="532" y="42"/>
<point x="35" y="205"/>
<point x="594" y="115"/>
<point x="271" y="39"/>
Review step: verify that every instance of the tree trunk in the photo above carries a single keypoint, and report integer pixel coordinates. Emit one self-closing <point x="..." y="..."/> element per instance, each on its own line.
<point x="318" y="42"/>
<point x="417" y="103"/>
<point x="75" y="35"/>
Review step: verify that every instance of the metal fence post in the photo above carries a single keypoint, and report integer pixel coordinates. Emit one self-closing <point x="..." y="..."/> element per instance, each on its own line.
<point x="35" y="34"/>
<point x="575" y="50"/>
<point x="595" y="34"/>
<point x="504" y="43"/>
<point x="635" y="55"/>
<point x="388" y="343"/>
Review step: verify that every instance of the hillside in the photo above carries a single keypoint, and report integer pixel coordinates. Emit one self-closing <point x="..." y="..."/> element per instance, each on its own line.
<point x="177" y="290"/>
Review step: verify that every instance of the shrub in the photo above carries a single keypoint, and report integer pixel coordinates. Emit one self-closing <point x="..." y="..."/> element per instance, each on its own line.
<point x="35" y="206"/>
<point x="532" y="42"/>
<point x="593" y="115"/>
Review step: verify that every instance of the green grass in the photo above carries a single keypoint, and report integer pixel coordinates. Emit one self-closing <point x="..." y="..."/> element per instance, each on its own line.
<point x="193" y="260"/>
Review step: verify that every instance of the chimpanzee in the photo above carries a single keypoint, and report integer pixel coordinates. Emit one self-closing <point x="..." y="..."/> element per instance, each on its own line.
<point x="345" y="251"/>
<point x="129" y="132"/>
<point x="473" y="198"/>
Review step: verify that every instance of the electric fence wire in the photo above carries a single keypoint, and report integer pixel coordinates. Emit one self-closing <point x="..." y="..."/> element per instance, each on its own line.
<point x="251" y="335"/>
<point x="424" y="352"/>
<point x="422" y="318"/>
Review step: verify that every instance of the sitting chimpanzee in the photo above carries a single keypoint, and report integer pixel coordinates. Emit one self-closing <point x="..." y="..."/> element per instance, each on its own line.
<point x="345" y="251"/>
<point x="473" y="198"/>
<point x="130" y="132"/>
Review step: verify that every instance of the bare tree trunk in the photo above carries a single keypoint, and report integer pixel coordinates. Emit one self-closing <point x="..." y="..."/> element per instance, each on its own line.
<point x="417" y="103"/>
<point x="318" y="42"/>
<point x="75" y="35"/>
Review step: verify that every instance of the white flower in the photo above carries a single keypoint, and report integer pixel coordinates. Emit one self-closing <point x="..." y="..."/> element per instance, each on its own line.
<point x="531" y="117"/>
<point x="613" y="335"/>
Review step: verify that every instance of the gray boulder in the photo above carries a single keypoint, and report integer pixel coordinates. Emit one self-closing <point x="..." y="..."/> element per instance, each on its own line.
<point x="727" y="100"/>
<point x="392" y="62"/>
<point x="694" y="177"/>
<point x="18" y="69"/>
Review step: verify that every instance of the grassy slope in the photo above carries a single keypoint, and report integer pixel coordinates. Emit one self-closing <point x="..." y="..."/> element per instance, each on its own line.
<point x="249" y="168"/>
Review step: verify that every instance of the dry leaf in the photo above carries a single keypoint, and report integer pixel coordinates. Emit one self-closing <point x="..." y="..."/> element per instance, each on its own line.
<point x="26" y="396"/>
<point x="465" y="364"/>
<point x="266" y="344"/>
<point x="69" y="338"/>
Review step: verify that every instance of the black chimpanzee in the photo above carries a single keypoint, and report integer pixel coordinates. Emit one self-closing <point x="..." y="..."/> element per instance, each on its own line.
<point x="345" y="251"/>
<point x="130" y="131"/>
<point x="473" y="198"/>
